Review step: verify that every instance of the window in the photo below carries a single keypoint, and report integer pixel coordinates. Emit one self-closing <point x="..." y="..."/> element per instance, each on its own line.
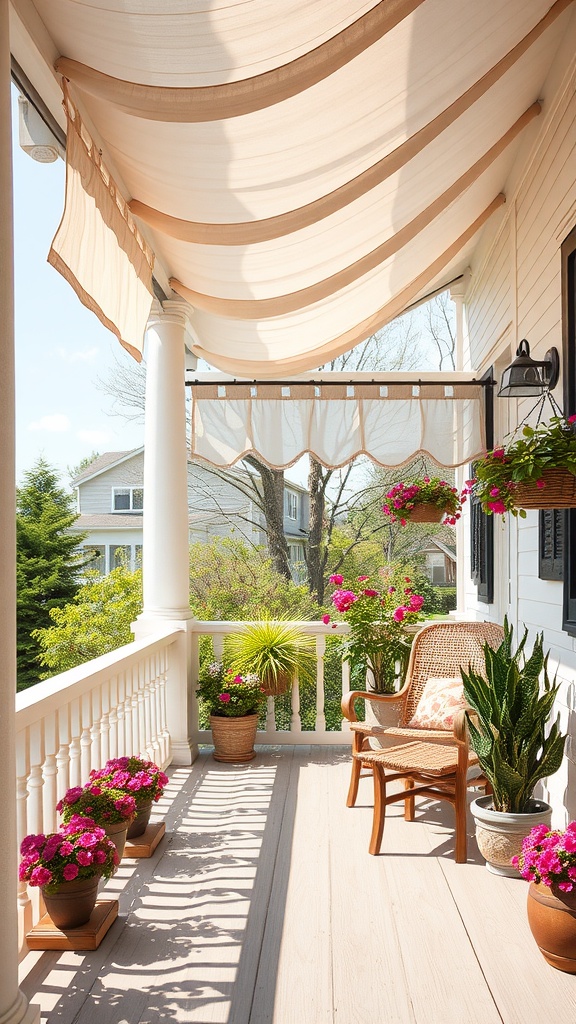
<point x="127" y="499"/>
<point x="291" y="505"/>
<point x="568" y="260"/>
<point x="120" y="554"/>
<point x="97" y="555"/>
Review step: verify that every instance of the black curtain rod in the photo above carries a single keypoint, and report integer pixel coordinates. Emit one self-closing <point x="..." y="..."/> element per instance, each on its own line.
<point x="483" y="382"/>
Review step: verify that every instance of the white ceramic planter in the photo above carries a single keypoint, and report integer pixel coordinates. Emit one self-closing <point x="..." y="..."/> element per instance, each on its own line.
<point x="499" y="834"/>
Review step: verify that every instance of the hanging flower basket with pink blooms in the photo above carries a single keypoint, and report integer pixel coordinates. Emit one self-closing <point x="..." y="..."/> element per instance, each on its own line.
<point x="537" y="470"/>
<point x="425" y="500"/>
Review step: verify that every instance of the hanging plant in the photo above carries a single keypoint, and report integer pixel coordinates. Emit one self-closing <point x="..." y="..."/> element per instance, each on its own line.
<point x="425" y="500"/>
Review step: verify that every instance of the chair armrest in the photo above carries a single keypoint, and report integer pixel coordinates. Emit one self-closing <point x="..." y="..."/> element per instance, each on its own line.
<point x="349" y="699"/>
<point x="460" y="727"/>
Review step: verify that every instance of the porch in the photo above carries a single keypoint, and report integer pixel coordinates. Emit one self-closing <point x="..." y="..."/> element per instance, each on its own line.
<point x="262" y="904"/>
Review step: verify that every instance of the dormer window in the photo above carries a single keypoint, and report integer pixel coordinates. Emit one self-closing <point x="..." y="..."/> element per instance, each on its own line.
<point x="127" y="499"/>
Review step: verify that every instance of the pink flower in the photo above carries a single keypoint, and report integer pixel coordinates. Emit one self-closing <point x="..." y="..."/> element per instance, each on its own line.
<point x="40" y="876"/>
<point x="370" y="593"/>
<point x="495" y="492"/>
<point x="498" y="453"/>
<point x="95" y="790"/>
<point x="73" y="795"/>
<point x="572" y="419"/>
<point x="224" y="697"/>
<point x="416" y="602"/>
<point x="540" y="483"/>
<point x="325" y="619"/>
<point x="497" y="506"/>
<point x="362" y="578"/>
<point x="99" y="856"/>
<point x="398" y="614"/>
<point x="403" y="522"/>
<point x="86" y="840"/>
<point x="336" y="579"/>
<point x="343" y="599"/>
<point x="66" y="848"/>
<point x="391" y="590"/>
<point x="70" y="871"/>
<point x="84" y="857"/>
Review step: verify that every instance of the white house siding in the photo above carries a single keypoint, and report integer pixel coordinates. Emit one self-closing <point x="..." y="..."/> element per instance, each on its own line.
<point x="96" y="494"/>
<point x="516" y="293"/>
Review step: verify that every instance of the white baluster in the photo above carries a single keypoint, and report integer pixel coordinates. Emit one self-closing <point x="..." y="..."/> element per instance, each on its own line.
<point x="96" y="760"/>
<point x="345" y="724"/>
<point x="163" y="715"/>
<point x="136" y="708"/>
<point x="35" y="780"/>
<point x="75" y="730"/>
<point x="22" y="772"/>
<point x="154" y="742"/>
<point x="85" y="738"/>
<point x="127" y="681"/>
<point x="320" y="723"/>
<point x="63" y="754"/>
<point x="270" y="715"/>
<point x="121" y="683"/>
<point x="105" y="723"/>
<point x="295" y="722"/>
<point x="49" y="774"/>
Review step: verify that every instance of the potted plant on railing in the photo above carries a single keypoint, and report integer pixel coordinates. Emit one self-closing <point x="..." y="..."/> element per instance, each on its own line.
<point x="233" y="702"/>
<point x="143" y="780"/>
<point x="111" y="809"/>
<point x="537" y="470"/>
<point x="275" y="650"/>
<point x="511" y="704"/>
<point x="68" y="865"/>
<point x="424" y="500"/>
<point x="548" y="861"/>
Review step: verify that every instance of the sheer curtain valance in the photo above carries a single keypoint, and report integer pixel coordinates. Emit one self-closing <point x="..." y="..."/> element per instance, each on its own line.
<point x="390" y="423"/>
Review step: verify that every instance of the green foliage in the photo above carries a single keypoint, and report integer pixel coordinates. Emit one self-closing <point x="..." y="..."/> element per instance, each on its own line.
<point x="230" y="581"/>
<point x="378" y="610"/>
<point x="546" y="446"/>
<point x="272" y="649"/>
<point x="97" y="621"/>
<point x="513" y="703"/>
<point x="403" y="498"/>
<point x="444" y="600"/>
<point x="48" y="562"/>
<point x="226" y="693"/>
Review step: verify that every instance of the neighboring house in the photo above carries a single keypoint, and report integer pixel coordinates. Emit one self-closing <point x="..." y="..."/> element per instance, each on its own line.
<point x="440" y="562"/>
<point x="110" y="501"/>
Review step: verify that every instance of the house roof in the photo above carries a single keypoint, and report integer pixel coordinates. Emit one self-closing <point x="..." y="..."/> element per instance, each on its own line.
<point x="105" y="461"/>
<point x="303" y="171"/>
<point x="108" y="521"/>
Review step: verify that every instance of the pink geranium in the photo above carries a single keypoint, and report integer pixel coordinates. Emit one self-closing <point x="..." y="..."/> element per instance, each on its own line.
<point x="79" y="849"/>
<point x="549" y="857"/>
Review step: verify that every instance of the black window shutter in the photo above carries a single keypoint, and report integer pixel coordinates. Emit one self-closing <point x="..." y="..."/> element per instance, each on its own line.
<point x="551" y="544"/>
<point x="482" y="551"/>
<point x="568" y="257"/>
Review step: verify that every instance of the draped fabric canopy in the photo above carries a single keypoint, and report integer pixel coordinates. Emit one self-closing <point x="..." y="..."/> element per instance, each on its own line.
<point x="304" y="170"/>
<point x="391" y="423"/>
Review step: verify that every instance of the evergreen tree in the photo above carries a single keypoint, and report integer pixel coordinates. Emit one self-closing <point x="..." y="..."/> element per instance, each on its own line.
<point x="47" y="561"/>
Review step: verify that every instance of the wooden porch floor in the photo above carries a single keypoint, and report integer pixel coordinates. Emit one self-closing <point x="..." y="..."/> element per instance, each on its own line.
<point x="263" y="906"/>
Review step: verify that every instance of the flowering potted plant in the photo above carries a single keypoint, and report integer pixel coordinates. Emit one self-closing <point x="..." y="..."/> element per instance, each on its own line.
<point x="233" y="702"/>
<point x="548" y="861"/>
<point x="425" y="500"/>
<point x="378" y="610"/>
<point x="111" y="809"/>
<point x="143" y="780"/>
<point x="67" y="865"/>
<point x="537" y="470"/>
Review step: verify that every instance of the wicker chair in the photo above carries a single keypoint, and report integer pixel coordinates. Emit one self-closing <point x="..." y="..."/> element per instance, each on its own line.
<point x="438" y="760"/>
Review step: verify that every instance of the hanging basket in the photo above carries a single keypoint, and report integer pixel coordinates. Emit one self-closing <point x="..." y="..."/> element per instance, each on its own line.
<point x="423" y="513"/>
<point x="559" y="491"/>
<point x="275" y="685"/>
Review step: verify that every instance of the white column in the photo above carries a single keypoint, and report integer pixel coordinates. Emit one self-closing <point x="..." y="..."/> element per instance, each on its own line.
<point x="165" y="547"/>
<point x="14" y="1008"/>
<point x="457" y="293"/>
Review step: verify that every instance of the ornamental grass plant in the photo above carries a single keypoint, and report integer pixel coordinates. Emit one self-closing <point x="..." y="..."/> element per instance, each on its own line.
<point x="79" y="849"/>
<point x="550" y="445"/>
<point x="273" y="650"/>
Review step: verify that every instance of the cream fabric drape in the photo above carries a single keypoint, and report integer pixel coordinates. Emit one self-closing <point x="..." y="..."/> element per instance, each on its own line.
<point x="97" y="247"/>
<point x="389" y="423"/>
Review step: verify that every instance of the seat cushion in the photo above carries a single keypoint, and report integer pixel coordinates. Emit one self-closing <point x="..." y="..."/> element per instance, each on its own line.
<point x="440" y="700"/>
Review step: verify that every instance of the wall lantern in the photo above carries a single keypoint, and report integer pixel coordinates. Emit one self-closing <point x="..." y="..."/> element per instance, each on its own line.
<point x="526" y="377"/>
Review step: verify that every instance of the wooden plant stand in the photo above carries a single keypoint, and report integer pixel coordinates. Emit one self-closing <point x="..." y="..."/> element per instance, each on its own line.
<point x="45" y="935"/>
<point x="144" y="845"/>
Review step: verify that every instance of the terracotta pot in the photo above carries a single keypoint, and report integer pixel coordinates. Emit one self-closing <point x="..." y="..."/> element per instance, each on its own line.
<point x="234" y="737"/>
<point x="423" y="513"/>
<point x="499" y="834"/>
<point x="552" y="920"/>
<point x="140" y="822"/>
<point x="73" y="902"/>
<point x="117" y="833"/>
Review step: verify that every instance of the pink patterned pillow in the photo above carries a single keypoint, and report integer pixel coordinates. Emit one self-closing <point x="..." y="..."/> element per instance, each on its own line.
<point x="440" y="700"/>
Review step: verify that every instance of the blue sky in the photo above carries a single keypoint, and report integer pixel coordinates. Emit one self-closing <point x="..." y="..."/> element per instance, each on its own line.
<point x="61" y="348"/>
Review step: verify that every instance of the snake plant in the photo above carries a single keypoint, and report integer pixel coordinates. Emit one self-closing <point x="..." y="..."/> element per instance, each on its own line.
<point x="512" y="703"/>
